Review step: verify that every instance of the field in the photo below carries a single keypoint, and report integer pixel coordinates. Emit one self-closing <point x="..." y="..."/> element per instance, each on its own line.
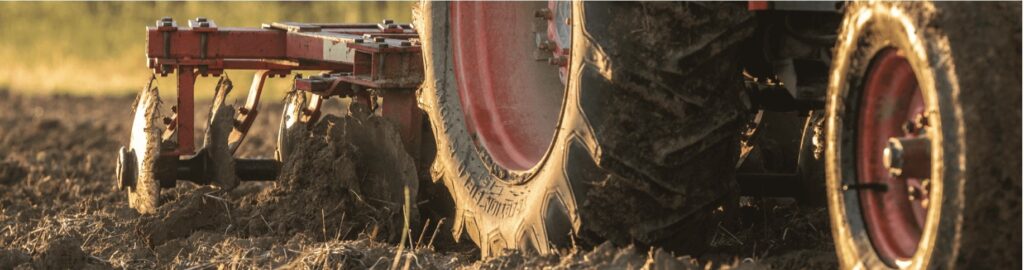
<point x="60" y="208"/>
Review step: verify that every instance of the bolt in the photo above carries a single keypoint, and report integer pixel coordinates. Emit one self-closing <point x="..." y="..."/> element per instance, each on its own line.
<point x="543" y="13"/>
<point x="204" y="24"/>
<point x="387" y="21"/>
<point x="201" y="19"/>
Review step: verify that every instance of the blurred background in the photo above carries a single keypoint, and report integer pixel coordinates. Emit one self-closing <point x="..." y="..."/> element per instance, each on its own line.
<point x="96" y="48"/>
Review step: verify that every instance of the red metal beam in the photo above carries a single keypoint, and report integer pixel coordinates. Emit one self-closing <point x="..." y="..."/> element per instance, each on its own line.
<point x="185" y="111"/>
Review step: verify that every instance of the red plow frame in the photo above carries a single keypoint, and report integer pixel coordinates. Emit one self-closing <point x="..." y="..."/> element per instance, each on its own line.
<point x="360" y="60"/>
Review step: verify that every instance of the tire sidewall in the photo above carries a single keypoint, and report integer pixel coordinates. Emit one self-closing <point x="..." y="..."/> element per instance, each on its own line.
<point x="867" y="29"/>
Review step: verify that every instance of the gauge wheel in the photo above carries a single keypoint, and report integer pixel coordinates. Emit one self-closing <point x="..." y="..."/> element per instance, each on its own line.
<point x="556" y="123"/>
<point x="923" y="138"/>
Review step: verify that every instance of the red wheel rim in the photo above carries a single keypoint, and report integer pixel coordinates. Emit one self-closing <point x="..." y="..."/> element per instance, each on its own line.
<point x="511" y="99"/>
<point x="891" y="104"/>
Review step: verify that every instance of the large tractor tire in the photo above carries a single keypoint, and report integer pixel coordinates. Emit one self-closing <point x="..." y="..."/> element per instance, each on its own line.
<point x="924" y="136"/>
<point x="637" y="145"/>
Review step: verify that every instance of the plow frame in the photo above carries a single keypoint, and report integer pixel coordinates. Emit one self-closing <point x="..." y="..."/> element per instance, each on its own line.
<point x="358" y="60"/>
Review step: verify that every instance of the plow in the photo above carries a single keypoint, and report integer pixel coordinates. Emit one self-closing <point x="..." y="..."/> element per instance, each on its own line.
<point x="365" y="62"/>
<point x="556" y="121"/>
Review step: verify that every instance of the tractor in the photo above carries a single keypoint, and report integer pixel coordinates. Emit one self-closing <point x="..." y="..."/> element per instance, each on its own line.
<point x="551" y="123"/>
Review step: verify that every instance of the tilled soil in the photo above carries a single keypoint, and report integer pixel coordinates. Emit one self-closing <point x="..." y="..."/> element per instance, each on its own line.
<point x="339" y="204"/>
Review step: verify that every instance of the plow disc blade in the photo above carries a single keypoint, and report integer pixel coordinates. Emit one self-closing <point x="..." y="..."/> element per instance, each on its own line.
<point x="137" y="163"/>
<point x="292" y="124"/>
<point x="221" y="164"/>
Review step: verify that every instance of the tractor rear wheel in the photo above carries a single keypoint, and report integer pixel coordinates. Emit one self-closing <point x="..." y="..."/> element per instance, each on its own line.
<point x="923" y="142"/>
<point x="628" y="132"/>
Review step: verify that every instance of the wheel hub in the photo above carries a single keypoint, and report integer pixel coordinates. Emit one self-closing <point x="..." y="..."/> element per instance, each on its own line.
<point x="893" y="157"/>
<point x="511" y="96"/>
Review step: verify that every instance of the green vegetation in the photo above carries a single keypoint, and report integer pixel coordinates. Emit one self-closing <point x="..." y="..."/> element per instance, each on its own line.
<point x="88" y="48"/>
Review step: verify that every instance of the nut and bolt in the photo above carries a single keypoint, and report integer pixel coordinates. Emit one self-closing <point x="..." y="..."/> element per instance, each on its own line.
<point x="387" y="21"/>
<point x="165" y="22"/>
<point x="201" y="19"/>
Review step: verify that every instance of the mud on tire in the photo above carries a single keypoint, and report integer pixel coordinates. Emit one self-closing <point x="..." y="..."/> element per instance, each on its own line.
<point x="646" y="140"/>
<point x="966" y="59"/>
